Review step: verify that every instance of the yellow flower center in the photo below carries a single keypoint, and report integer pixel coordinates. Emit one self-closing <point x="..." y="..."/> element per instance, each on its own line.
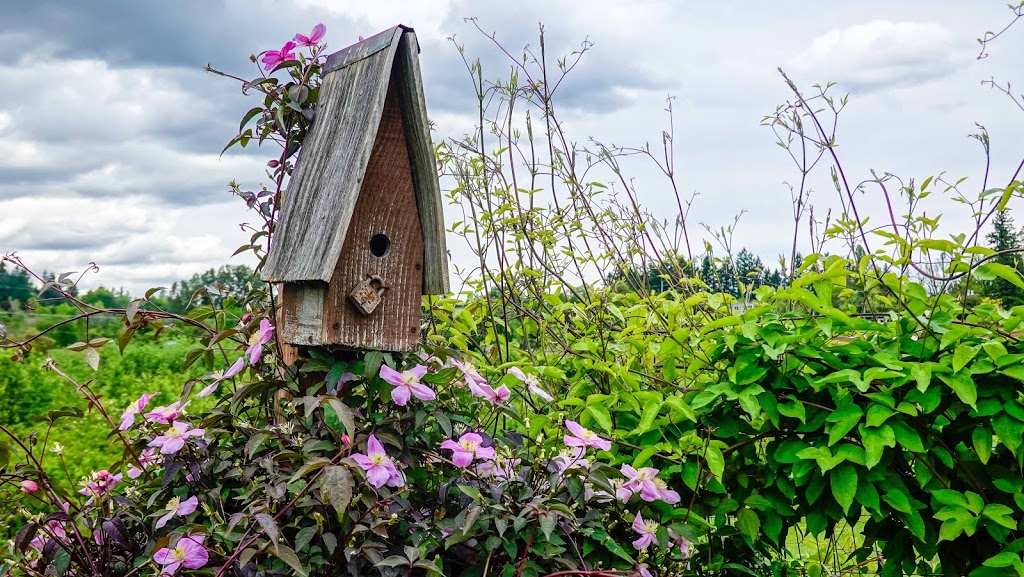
<point x="173" y="504"/>
<point x="173" y="432"/>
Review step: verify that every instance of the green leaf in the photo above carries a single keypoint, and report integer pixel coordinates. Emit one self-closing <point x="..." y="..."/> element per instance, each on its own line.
<point x="907" y="436"/>
<point x="963" y="386"/>
<point x="982" y="440"/>
<point x="1001" y="514"/>
<point x="601" y="416"/>
<point x="1004" y="559"/>
<point x="953" y="528"/>
<point x="286" y="554"/>
<point x="716" y="462"/>
<point x="1002" y="271"/>
<point x="749" y="524"/>
<point x="336" y="484"/>
<point x="843" y="480"/>
<point x="952" y="335"/>
<point x="963" y="354"/>
<point x="548" y="520"/>
<point x="650" y="413"/>
<point x="875" y="440"/>
<point x="844" y="419"/>
<point x="877" y="414"/>
<point x="342" y="416"/>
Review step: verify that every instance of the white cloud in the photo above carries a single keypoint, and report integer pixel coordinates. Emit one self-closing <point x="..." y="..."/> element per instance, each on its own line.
<point x="882" y="53"/>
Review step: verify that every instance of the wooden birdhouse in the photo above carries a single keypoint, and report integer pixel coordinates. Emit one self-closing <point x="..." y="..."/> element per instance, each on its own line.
<point x="361" y="233"/>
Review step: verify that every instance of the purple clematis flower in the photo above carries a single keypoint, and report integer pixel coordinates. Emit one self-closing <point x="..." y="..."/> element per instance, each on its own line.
<point x="467" y="448"/>
<point x="274" y="57"/>
<point x="258" y="339"/>
<point x="165" y="414"/>
<point x="230" y="372"/>
<point x="648" y="532"/>
<point x="407" y="384"/>
<point x="188" y="552"/>
<point x="532" y="383"/>
<point x="177" y="508"/>
<point x="174" y="437"/>
<point x="581" y="437"/>
<point x="380" y="469"/>
<point x="147" y="458"/>
<point x="314" y="37"/>
<point x="128" y="418"/>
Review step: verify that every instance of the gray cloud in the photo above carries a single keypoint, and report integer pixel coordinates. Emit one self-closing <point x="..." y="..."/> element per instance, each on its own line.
<point x="107" y="116"/>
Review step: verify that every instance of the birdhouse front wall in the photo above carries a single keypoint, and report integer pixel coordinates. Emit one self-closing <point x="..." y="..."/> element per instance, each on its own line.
<point x="384" y="239"/>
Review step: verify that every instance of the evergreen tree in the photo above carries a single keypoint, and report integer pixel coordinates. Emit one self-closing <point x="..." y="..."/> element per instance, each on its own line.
<point x="15" y="287"/>
<point x="1004" y="237"/>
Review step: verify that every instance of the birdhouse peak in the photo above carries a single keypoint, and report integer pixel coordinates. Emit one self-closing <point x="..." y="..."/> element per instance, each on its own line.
<point x="370" y="104"/>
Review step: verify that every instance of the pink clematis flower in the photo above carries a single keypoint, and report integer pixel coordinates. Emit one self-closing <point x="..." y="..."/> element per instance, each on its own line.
<point x="177" y="508"/>
<point x="99" y="484"/>
<point x="664" y="493"/>
<point x="258" y="339"/>
<point x="646" y="482"/>
<point x="472" y="377"/>
<point x="314" y="37"/>
<point x="230" y="372"/>
<point x="497" y="396"/>
<point x="29" y="486"/>
<point x="345" y="377"/>
<point x="569" y="458"/>
<point x="643" y="570"/>
<point x="274" y="57"/>
<point x="188" y="552"/>
<point x="128" y="418"/>
<point x="581" y="437"/>
<point x="51" y="530"/>
<point x="532" y="383"/>
<point x="407" y="384"/>
<point x="679" y="541"/>
<point x="647" y="530"/>
<point x="380" y="469"/>
<point x="467" y="448"/>
<point x="498" y="468"/>
<point x="174" y="437"/>
<point x="147" y="458"/>
<point x="165" y="414"/>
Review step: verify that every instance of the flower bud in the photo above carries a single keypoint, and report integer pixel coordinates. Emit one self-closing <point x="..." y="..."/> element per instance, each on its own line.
<point x="29" y="486"/>
<point x="246" y="318"/>
<point x="273" y="163"/>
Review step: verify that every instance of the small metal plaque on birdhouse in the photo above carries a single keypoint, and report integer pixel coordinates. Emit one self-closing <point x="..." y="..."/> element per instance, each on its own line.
<point x="368" y="294"/>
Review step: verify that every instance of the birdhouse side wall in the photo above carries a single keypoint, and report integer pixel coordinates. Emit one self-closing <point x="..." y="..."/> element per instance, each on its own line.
<point x="302" y="312"/>
<point x="386" y="206"/>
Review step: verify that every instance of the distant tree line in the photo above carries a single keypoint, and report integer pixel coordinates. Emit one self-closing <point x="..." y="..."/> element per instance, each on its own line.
<point x="24" y="309"/>
<point x="738" y="275"/>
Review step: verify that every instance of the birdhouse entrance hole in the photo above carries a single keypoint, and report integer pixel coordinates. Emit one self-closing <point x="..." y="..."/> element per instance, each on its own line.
<point x="380" y="245"/>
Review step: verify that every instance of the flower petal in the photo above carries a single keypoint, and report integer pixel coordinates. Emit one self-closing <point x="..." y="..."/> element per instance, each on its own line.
<point x="400" y="395"/>
<point x="390" y="375"/>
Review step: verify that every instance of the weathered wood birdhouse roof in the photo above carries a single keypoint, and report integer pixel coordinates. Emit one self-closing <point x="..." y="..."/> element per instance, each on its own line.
<point x="327" y="181"/>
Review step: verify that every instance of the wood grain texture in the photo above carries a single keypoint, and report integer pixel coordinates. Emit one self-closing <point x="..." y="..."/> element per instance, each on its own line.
<point x="302" y="306"/>
<point x="322" y="194"/>
<point x="325" y="185"/>
<point x="424" y="166"/>
<point x="386" y="205"/>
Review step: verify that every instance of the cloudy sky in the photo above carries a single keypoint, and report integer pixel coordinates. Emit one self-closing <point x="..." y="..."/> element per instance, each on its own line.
<point x="110" y="131"/>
